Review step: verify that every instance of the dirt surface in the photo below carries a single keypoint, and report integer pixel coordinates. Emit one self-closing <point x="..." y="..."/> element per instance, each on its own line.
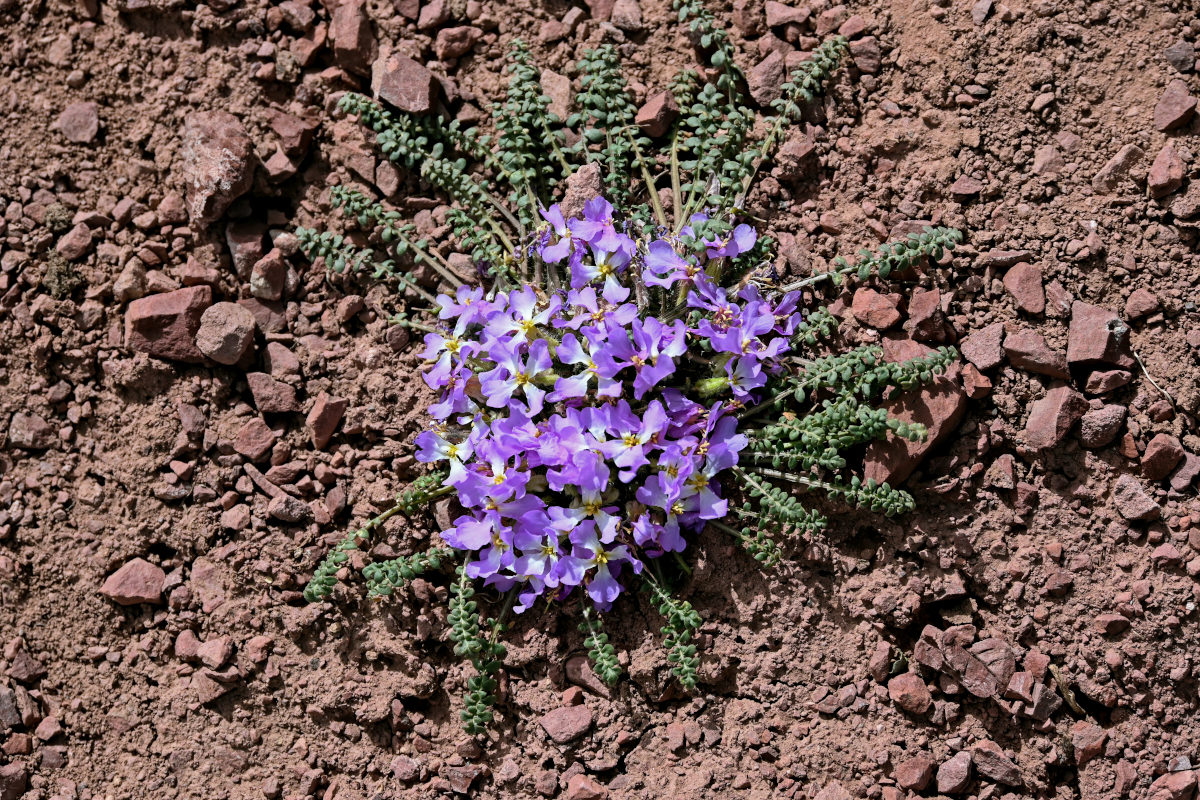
<point x="158" y="515"/>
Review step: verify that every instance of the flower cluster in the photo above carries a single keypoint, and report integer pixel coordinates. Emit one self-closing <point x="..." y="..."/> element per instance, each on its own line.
<point x="581" y="433"/>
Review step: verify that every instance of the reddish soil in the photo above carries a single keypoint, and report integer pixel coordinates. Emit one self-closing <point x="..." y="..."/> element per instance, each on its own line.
<point x="1051" y="556"/>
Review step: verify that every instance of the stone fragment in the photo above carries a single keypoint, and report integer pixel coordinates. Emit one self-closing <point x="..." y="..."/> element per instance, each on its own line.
<point x="30" y="432"/>
<point x="271" y="396"/>
<point x="955" y="773"/>
<point x="965" y="187"/>
<point x="218" y="164"/>
<point x="914" y="774"/>
<point x="627" y="15"/>
<point x="1166" y="173"/>
<point x="1052" y="417"/>
<point x="75" y="243"/>
<point x="404" y="83"/>
<point x="1181" y="56"/>
<point x="1186" y="473"/>
<point x="215" y="651"/>
<point x="268" y="277"/>
<point x="991" y="762"/>
<point x="985" y="347"/>
<point x="131" y="283"/>
<point x="226" y="332"/>
<point x="455" y="42"/>
<point x="79" y="122"/>
<point x="910" y="693"/>
<point x="254" y="440"/>
<point x="657" y="114"/>
<point x="766" y="79"/>
<point x="165" y="325"/>
<point x="1097" y="336"/>
<point x="1163" y="453"/>
<point x="137" y="581"/>
<point x="14" y="780"/>
<point x="1024" y="283"/>
<point x="323" y="420"/>
<point x="1174" y="786"/>
<point x="558" y="88"/>
<point x="281" y="362"/>
<point x="1132" y="501"/>
<point x="1111" y="624"/>
<point x="583" y="185"/>
<point x="1117" y="168"/>
<point x="1028" y="351"/>
<point x="1175" y="107"/>
<point x="1099" y="427"/>
<point x="874" y="309"/>
<point x="780" y="14"/>
<point x="26" y="669"/>
<point x="1141" y="303"/>
<point x="565" y="725"/>
<point x="291" y="510"/>
<point x="866" y="54"/>
<point x="1105" y="381"/>
<point x="353" y="40"/>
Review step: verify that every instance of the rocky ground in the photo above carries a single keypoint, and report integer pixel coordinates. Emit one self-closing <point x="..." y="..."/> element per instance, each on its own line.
<point x="190" y="416"/>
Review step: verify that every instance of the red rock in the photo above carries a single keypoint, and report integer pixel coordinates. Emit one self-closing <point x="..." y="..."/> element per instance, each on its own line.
<point x="295" y="133"/>
<point x="853" y="27"/>
<point x="1105" y="381"/>
<point x="1020" y="687"/>
<point x="137" y="581"/>
<point x="26" y="669"/>
<point x="218" y="164"/>
<point x="796" y="159"/>
<point x="455" y="42"/>
<point x="291" y="510"/>
<point x="1028" y="351"/>
<point x="975" y="383"/>
<point x="565" y="725"/>
<point x="965" y="187"/>
<point x="657" y="114"/>
<point x="404" y="83"/>
<point x="215" y="652"/>
<point x="954" y="774"/>
<point x="1117" y="169"/>
<point x="1111" y="624"/>
<point x="1141" y="303"/>
<point x="187" y="646"/>
<point x="766" y="79"/>
<point x="1098" y="428"/>
<point x="1131" y="500"/>
<point x="1166" y="173"/>
<point x="1174" y="786"/>
<point x="582" y="787"/>
<point x="1097" y="336"/>
<point x="926" y="322"/>
<point x="324" y="418"/>
<point x="271" y="396"/>
<point x="833" y="791"/>
<point x="910" y="693"/>
<point x="867" y="56"/>
<point x="1187" y="472"/>
<point x="165" y="325"/>
<point x="1024" y="283"/>
<point x="991" y="762"/>
<point x="874" y="309"/>
<point x="1052" y="417"/>
<point x="254" y="440"/>
<point x="557" y="87"/>
<point x="258" y="648"/>
<point x="245" y="241"/>
<point x="1162" y="454"/>
<point x="268" y="277"/>
<point x="353" y="40"/>
<point x="915" y="773"/>
<point x="79" y="122"/>
<point x="226" y="332"/>
<point x="30" y="432"/>
<point x="1176" y="106"/>
<point x="75" y="243"/>
<point x="939" y="406"/>
<point x="984" y="348"/>
<point x="47" y="729"/>
<point x="268" y="316"/>
<point x="582" y="185"/>
<point x="779" y="14"/>
<point x="14" y="780"/>
<point x="601" y="10"/>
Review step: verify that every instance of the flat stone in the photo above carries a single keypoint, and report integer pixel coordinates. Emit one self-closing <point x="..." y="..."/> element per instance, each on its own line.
<point x="291" y="510"/>
<point x="766" y="79"/>
<point x="565" y="725"/>
<point x="137" y="581"/>
<point x="866" y="54"/>
<point x="324" y="417"/>
<point x="271" y="396"/>
<point x="780" y="14"/>
<point x="991" y="763"/>
<point x="1052" y="417"/>
<point x="985" y="347"/>
<point x="75" y="243"/>
<point x="1028" y="351"/>
<point x="1175" y="107"/>
<point x="915" y="773"/>
<point x="455" y="42"/>
<point x="254" y="440"/>
<point x="268" y="276"/>
<point x="584" y="787"/>
<point x="658" y="114"/>
<point x="627" y="15"/>
<point x="1117" y="168"/>
<point x="14" y="780"/>
<point x="1024" y="283"/>
<point x="955" y="773"/>
<point x="30" y="432"/>
<point x="218" y="164"/>
<point x="1174" y="786"/>
<point x="79" y="122"/>
<point x="404" y="83"/>
<point x="1163" y="453"/>
<point x="226" y="332"/>
<point x="353" y="40"/>
<point x="1166" y="173"/>
<point x="1181" y="56"/>
<point x="874" y="309"/>
<point x="965" y="187"/>
<point x="1132" y="501"/>
<point x="165" y="325"/>
<point x="1097" y="336"/>
<point x="1141" y="303"/>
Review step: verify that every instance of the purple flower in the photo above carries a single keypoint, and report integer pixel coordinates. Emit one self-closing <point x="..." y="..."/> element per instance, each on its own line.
<point x="522" y="318"/>
<point x="561" y="248"/>
<point x="740" y="240"/>
<point x="664" y="266"/>
<point x="633" y="436"/>
<point x="598" y="366"/>
<point x="512" y="375"/>
<point x="596" y="227"/>
<point x="651" y="351"/>
<point x="604" y="265"/>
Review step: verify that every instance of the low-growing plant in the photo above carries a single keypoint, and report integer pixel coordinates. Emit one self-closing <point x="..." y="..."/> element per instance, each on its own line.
<point x="612" y="381"/>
